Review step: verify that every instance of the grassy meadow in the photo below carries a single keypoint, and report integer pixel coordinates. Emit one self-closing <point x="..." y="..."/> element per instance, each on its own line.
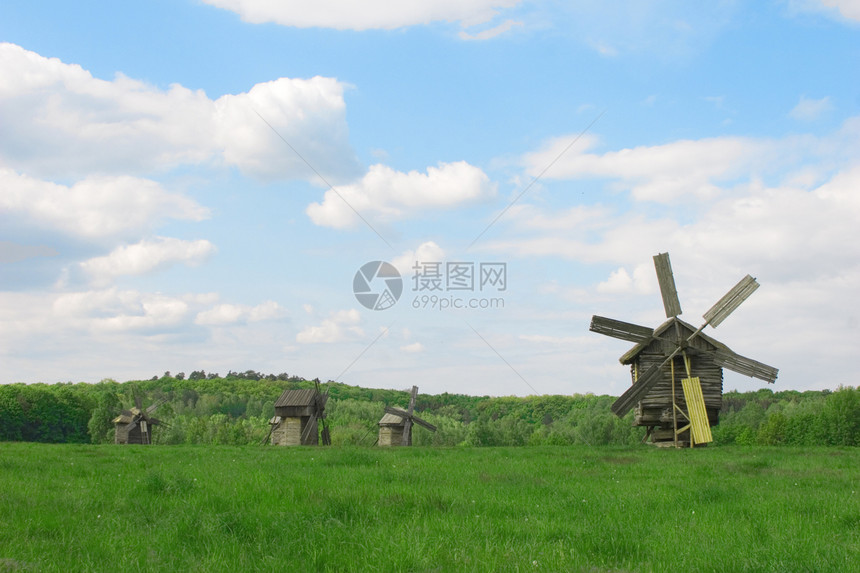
<point x="625" y="509"/>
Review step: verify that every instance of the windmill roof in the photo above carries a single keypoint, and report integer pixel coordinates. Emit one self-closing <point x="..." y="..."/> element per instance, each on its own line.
<point x="391" y="420"/>
<point x="128" y="415"/>
<point x="631" y="354"/>
<point x="301" y="398"/>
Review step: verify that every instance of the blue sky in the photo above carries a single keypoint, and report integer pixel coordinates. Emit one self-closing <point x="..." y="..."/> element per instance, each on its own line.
<point x="191" y="185"/>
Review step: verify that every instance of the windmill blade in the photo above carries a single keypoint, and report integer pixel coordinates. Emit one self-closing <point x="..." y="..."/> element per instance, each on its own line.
<point x="639" y="388"/>
<point x="746" y="366"/>
<point x="269" y="435"/>
<point x="423" y="424"/>
<point x="618" y="329"/>
<point x="326" y="436"/>
<point x="274" y="422"/>
<point x="666" y="279"/>
<point x="407" y="432"/>
<point x="132" y="425"/>
<point x="137" y="401"/>
<point x="733" y="299"/>
<point x="396" y="412"/>
<point x="155" y="405"/>
<point x="412" y="399"/>
<point x="306" y="433"/>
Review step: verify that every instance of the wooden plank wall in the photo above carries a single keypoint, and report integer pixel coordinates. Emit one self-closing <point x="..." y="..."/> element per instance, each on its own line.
<point x="656" y="407"/>
<point x="390" y="435"/>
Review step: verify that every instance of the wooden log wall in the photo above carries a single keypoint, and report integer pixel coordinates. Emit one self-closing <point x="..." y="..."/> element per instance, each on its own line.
<point x="390" y="435"/>
<point x="656" y="407"/>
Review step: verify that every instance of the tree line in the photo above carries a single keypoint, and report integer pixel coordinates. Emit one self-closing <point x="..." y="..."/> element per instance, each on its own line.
<point x="206" y="409"/>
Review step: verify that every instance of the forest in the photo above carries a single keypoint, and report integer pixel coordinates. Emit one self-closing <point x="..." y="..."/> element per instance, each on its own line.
<point x="234" y="410"/>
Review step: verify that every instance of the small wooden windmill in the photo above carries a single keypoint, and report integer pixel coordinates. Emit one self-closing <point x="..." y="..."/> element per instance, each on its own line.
<point x="298" y="415"/>
<point x="395" y="427"/>
<point x="677" y="352"/>
<point x="134" y="426"/>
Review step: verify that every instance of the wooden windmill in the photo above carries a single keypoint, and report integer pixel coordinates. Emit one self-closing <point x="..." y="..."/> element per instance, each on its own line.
<point x="395" y="427"/>
<point x="676" y="368"/>
<point x="298" y="416"/>
<point x="134" y="426"/>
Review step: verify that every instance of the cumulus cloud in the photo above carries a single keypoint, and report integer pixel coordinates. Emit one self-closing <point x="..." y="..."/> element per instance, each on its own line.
<point x="95" y="207"/>
<point x="114" y="310"/>
<point x="309" y="114"/>
<point x="662" y="173"/>
<point x="428" y="252"/>
<point x="391" y="195"/>
<point x="339" y="325"/>
<point x="61" y="121"/>
<point x="642" y="280"/>
<point x="146" y="256"/>
<point x="225" y="314"/>
<point x="792" y="221"/>
<point x="368" y="15"/>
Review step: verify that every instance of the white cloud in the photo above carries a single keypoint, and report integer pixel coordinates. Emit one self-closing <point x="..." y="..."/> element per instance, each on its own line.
<point x="849" y="9"/>
<point x="309" y="114"/>
<point x="114" y="310"/>
<point x="146" y="256"/>
<point x="620" y="281"/>
<point x="810" y="109"/>
<point x="224" y="314"/>
<point x="787" y="231"/>
<point x="662" y="173"/>
<point x="96" y="207"/>
<point x="490" y="33"/>
<point x="838" y="9"/>
<point x="428" y="252"/>
<point x="367" y="15"/>
<point x="48" y="315"/>
<point x="787" y="227"/>
<point x="61" y="121"/>
<point x="390" y="194"/>
<point x="413" y="348"/>
<point x="553" y="340"/>
<point x="340" y="325"/>
<point x="666" y="30"/>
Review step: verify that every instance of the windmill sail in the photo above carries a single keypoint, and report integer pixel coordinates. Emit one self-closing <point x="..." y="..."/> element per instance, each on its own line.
<point x="666" y="279"/>
<point x="619" y="329"/>
<point x="746" y="366"/>
<point x="635" y="393"/>
<point x="732" y="299"/>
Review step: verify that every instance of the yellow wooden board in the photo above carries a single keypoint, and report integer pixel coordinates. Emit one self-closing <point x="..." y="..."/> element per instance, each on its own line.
<point x="696" y="408"/>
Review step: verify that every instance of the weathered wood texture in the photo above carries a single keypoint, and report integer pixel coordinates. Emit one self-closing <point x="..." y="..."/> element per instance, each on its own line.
<point x="655" y="409"/>
<point x="620" y="329"/>
<point x="289" y="432"/>
<point x="390" y="435"/>
<point x="666" y="280"/>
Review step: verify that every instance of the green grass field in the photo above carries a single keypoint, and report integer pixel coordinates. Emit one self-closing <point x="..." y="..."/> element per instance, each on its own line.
<point x="174" y="508"/>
